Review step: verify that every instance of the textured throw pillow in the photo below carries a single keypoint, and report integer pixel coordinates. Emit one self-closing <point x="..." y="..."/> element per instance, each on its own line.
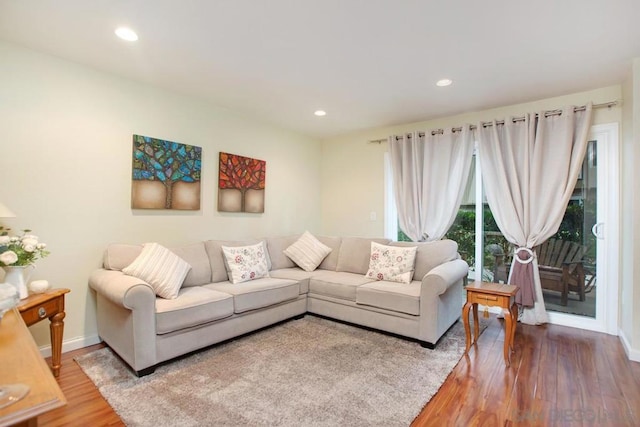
<point x="161" y="268"/>
<point x="246" y="262"/>
<point x="391" y="263"/>
<point x="308" y="252"/>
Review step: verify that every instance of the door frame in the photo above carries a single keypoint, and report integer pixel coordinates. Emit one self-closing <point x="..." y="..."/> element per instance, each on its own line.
<point x="608" y="250"/>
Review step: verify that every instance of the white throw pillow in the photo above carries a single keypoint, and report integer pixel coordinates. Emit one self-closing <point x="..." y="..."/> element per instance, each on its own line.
<point x="307" y="252"/>
<point x="246" y="262"/>
<point x="392" y="263"/>
<point x="161" y="268"/>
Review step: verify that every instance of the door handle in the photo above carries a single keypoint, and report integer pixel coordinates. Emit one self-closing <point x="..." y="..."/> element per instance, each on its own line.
<point x="598" y="230"/>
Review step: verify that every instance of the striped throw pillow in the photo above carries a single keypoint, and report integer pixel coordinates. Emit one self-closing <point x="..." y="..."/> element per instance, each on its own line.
<point x="161" y="268"/>
<point x="307" y="252"/>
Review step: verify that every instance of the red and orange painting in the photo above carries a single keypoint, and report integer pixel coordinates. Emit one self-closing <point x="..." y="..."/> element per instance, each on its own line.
<point x="241" y="184"/>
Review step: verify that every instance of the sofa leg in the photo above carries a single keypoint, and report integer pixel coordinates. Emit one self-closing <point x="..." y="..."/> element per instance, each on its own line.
<point x="146" y="371"/>
<point x="425" y="344"/>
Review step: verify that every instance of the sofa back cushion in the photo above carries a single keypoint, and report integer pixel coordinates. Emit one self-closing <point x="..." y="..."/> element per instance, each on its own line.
<point x="355" y="253"/>
<point x="431" y="254"/>
<point x="119" y="255"/>
<point x="196" y="256"/>
<point x="216" y="257"/>
<point x="276" y="247"/>
<point x="331" y="260"/>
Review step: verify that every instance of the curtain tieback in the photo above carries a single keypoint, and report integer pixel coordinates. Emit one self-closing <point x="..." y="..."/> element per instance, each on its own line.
<point x="527" y="259"/>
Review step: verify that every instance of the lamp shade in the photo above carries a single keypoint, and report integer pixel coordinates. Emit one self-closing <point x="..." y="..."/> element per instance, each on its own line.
<point x="5" y="212"/>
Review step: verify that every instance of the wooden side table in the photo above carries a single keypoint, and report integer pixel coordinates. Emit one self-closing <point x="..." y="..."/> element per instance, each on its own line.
<point x="48" y="305"/>
<point x="492" y="295"/>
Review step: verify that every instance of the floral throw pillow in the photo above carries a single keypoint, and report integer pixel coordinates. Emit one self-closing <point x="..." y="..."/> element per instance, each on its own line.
<point x="392" y="263"/>
<point x="246" y="262"/>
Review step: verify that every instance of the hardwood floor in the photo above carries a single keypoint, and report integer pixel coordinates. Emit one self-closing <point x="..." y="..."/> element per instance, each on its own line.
<point x="558" y="376"/>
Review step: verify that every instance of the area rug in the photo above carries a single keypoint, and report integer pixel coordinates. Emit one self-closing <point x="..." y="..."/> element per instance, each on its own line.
<point x="307" y="372"/>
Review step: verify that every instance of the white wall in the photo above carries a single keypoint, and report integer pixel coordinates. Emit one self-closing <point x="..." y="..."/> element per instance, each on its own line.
<point x="630" y="288"/>
<point x="65" y="168"/>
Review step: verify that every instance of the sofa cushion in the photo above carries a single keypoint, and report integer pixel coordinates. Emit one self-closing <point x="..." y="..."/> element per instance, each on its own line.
<point x="196" y="256"/>
<point x="194" y="306"/>
<point x="400" y="297"/>
<point x="161" y="268"/>
<point x="258" y="293"/>
<point x="216" y="257"/>
<point x="331" y="261"/>
<point x="276" y="247"/>
<point x="354" y="254"/>
<point x="307" y="252"/>
<point x="391" y="263"/>
<point x="119" y="255"/>
<point x="295" y="273"/>
<point x="336" y="284"/>
<point x="246" y="263"/>
<point x="431" y="255"/>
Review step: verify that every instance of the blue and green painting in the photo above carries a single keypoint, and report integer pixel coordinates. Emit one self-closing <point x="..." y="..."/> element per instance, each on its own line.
<point x="166" y="174"/>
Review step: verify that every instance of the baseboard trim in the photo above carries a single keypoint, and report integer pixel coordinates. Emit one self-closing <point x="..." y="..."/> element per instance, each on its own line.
<point x="72" y="344"/>
<point x="632" y="353"/>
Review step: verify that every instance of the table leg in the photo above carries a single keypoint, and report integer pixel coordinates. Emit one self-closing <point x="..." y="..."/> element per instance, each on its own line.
<point x="508" y="326"/>
<point x="476" y="324"/>
<point x="467" y="328"/>
<point x="514" y="316"/>
<point x="57" y="328"/>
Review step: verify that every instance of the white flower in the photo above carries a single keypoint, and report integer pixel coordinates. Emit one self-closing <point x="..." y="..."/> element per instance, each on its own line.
<point x="29" y="241"/>
<point x="41" y="245"/>
<point x="8" y="257"/>
<point x="4" y="240"/>
<point x="14" y="239"/>
<point x="29" y="248"/>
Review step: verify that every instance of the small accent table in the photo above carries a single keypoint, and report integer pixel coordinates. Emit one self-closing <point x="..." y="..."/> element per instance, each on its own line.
<point x="48" y="305"/>
<point x="492" y="295"/>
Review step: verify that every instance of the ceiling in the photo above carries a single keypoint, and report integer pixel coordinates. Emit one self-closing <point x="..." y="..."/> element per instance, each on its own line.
<point x="368" y="63"/>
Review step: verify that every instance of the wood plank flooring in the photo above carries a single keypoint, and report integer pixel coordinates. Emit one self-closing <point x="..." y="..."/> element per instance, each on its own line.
<point x="558" y="376"/>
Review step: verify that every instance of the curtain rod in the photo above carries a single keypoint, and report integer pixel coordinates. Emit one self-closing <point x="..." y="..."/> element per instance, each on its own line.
<point x="501" y="122"/>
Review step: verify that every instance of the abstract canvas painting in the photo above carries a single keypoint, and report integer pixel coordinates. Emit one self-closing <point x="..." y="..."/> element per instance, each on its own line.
<point x="166" y="174"/>
<point x="241" y="184"/>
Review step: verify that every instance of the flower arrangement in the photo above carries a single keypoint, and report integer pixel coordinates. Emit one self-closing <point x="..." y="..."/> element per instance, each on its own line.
<point x="20" y="250"/>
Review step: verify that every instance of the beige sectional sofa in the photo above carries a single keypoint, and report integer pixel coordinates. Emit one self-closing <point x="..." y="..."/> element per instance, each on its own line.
<point x="146" y="330"/>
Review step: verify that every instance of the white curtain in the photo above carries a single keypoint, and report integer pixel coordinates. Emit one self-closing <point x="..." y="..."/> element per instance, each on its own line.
<point x="529" y="172"/>
<point x="429" y="176"/>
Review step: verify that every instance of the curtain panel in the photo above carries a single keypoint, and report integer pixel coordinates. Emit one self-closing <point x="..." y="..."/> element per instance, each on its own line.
<point x="529" y="170"/>
<point x="429" y="176"/>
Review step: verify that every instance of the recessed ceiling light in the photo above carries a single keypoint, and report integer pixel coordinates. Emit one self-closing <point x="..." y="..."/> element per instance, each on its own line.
<point x="126" y="34"/>
<point x="320" y="113"/>
<point x="444" y="82"/>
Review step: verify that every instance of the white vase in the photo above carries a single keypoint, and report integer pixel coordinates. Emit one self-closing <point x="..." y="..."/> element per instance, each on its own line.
<point x="18" y="276"/>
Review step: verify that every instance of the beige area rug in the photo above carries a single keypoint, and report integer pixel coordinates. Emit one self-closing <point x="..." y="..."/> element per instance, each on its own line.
<point x="307" y="372"/>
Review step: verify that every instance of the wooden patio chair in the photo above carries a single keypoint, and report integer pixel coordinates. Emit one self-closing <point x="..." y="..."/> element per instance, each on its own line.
<point x="561" y="268"/>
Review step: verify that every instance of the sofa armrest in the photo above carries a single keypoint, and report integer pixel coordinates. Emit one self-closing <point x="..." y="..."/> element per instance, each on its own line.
<point x="442" y="277"/>
<point x="124" y="290"/>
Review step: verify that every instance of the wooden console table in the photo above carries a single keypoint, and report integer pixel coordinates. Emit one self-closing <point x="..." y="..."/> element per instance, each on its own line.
<point x="22" y="363"/>
<point x="48" y="305"/>
<point x="492" y="295"/>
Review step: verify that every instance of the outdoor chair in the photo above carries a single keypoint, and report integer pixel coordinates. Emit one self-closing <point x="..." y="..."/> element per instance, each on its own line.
<point x="561" y="268"/>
